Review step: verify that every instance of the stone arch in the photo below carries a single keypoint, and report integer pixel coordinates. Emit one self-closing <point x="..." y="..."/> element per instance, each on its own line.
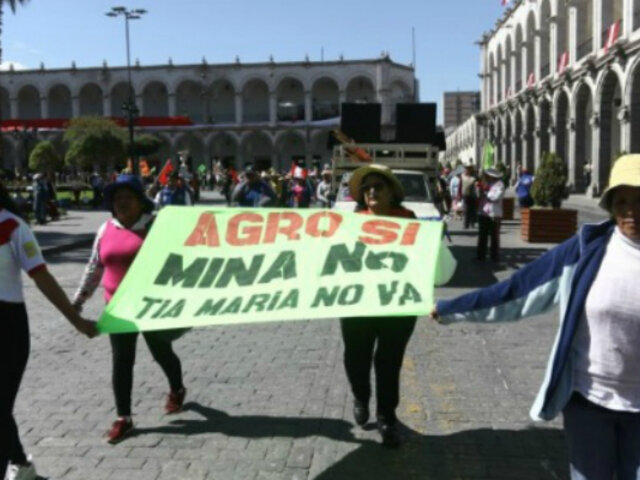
<point x="29" y="107"/>
<point x="257" y="148"/>
<point x="499" y="66"/>
<point x="519" y="44"/>
<point x="222" y="101"/>
<point x="319" y="146"/>
<point x="612" y="12"/>
<point x="545" y="37"/>
<point x="508" y="54"/>
<point x="242" y="84"/>
<point x="119" y="97"/>
<point x="517" y="131"/>
<point x="5" y="104"/>
<point x="508" y="137"/>
<point x="399" y="92"/>
<point x="498" y="141"/>
<point x="189" y="102"/>
<point x="325" y="98"/>
<point x="561" y="119"/>
<point x="544" y="121"/>
<point x="224" y="147"/>
<point x="9" y="155"/>
<point x="633" y="101"/>
<point x="562" y="32"/>
<point x="609" y="101"/>
<point x="255" y="101"/>
<point x="155" y="99"/>
<point x="193" y="145"/>
<point x="290" y="100"/>
<point x="290" y="145"/>
<point x="492" y="80"/>
<point x="530" y="45"/>
<point x="530" y="161"/>
<point x="59" y="102"/>
<point x="90" y="98"/>
<point x="361" y="89"/>
<point x="583" y="113"/>
<point x="585" y="28"/>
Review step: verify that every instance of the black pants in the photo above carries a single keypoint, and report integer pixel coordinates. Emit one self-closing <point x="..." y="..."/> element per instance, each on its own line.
<point x="360" y="336"/>
<point x="470" y="211"/>
<point x="123" y="346"/>
<point x="14" y="352"/>
<point x="488" y="227"/>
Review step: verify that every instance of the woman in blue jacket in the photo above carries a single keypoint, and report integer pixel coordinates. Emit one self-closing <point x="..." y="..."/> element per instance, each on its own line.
<point x="593" y="374"/>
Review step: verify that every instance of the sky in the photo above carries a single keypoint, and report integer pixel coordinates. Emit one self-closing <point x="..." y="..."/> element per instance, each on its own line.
<point x="57" y="32"/>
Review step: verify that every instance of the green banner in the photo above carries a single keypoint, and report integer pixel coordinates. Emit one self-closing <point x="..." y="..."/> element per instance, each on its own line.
<point x="212" y="266"/>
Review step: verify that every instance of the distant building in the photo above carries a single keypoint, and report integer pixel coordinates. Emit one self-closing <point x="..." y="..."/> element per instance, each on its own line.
<point x="459" y="106"/>
<point x="266" y="113"/>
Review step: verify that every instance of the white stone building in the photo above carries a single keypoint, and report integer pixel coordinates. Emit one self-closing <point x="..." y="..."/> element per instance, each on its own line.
<point x="563" y="76"/>
<point x="269" y="113"/>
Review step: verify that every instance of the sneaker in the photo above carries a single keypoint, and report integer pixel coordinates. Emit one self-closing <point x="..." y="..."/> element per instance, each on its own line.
<point x="360" y="412"/>
<point x="120" y="430"/>
<point x="22" y="472"/>
<point x="389" y="434"/>
<point x="175" y="400"/>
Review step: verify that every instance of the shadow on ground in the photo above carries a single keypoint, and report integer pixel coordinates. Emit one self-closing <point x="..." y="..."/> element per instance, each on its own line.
<point x="479" y="454"/>
<point x="533" y="454"/>
<point x="252" y="426"/>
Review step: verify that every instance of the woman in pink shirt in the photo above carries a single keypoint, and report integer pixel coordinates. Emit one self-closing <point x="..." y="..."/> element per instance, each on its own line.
<point x="117" y="243"/>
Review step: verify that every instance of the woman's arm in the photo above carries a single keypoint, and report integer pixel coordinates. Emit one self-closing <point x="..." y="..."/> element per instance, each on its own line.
<point x="51" y="289"/>
<point x="92" y="273"/>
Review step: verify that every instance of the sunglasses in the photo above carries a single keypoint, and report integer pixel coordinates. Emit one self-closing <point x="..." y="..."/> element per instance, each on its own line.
<point x="378" y="187"/>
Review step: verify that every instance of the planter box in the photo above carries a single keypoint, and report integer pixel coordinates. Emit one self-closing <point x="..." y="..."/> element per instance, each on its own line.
<point x="507" y="208"/>
<point x="548" y="225"/>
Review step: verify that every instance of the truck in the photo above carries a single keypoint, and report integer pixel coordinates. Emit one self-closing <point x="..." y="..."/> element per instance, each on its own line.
<point x="415" y="165"/>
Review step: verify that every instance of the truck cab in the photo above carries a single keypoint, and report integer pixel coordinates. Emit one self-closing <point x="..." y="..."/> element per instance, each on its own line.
<point x="414" y="165"/>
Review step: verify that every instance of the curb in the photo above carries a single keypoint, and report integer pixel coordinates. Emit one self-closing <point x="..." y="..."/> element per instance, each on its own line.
<point x="83" y="242"/>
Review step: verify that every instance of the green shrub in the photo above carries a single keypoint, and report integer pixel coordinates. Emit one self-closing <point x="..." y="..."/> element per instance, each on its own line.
<point x="550" y="184"/>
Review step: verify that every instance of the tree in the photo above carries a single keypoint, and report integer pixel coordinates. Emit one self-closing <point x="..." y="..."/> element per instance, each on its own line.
<point x="146" y="144"/>
<point x="549" y="187"/>
<point x="44" y="158"/>
<point x="95" y="142"/>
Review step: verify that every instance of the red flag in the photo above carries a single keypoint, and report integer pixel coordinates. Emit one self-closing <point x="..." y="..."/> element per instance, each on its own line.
<point x="504" y="2"/>
<point x="163" y="176"/>
<point x="612" y="35"/>
<point x="564" y="62"/>
<point x="531" y="81"/>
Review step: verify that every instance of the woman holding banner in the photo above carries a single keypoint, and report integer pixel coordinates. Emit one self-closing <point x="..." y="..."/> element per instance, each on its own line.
<point x="116" y="246"/>
<point x="592" y="375"/>
<point x="19" y="251"/>
<point x="381" y="340"/>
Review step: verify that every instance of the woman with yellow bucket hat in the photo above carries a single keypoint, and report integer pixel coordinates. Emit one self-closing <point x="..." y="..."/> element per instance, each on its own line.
<point x="592" y="376"/>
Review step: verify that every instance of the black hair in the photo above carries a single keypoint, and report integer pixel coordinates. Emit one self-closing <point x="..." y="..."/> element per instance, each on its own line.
<point x="7" y="202"/>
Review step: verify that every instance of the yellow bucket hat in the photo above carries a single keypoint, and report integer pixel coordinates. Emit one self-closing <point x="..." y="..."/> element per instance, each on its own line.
<point x="625" y="173"/>
<point x="356" y="180"/>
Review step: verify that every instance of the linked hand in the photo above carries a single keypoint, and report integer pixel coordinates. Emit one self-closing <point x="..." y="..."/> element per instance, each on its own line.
<point x="86" y="327"/>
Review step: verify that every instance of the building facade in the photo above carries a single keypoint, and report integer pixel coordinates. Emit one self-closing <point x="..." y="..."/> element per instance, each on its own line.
<point x="458" y="107"/>
<point x="563" y="76"/>
<point x="269" y="113"/>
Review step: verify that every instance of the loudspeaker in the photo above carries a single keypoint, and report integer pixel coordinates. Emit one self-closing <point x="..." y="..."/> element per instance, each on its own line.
<point x="416" y="123"/>
<point x="361" y="121"/>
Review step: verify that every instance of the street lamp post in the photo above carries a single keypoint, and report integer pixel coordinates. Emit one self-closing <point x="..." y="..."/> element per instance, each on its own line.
<point x="130" y="105"/>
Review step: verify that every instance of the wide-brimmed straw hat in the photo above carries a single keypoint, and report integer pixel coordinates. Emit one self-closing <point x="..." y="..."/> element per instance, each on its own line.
<point x="625" y="173"/>
<point x="133" y="183"/>
<point x="356" y="180"/>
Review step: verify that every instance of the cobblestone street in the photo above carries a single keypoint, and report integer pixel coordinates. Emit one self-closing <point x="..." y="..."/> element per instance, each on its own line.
<point x="271" y="401"/>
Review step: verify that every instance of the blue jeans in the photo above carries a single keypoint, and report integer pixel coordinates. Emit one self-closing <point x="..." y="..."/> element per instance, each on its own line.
<point x="603" y="444"/>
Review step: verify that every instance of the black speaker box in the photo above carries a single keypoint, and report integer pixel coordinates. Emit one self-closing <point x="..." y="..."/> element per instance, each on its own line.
<point x="361" y="121"/>
<point x="416" y="123"/>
